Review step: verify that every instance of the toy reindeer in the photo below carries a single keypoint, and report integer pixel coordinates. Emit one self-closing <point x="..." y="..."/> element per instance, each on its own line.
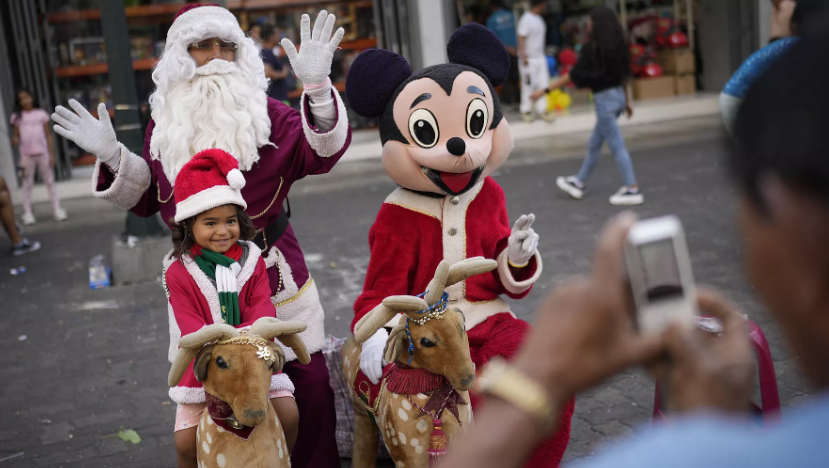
<point x="240" y="427"/>
<point x="421" y="404"/>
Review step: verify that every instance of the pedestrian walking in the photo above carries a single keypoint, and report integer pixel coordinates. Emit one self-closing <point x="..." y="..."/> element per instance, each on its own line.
<point x="217" y="276"/>
<point x="20" y="245"/>
<point x="532" y="63"/>
<point x="604" y="67"/>
<point x="37" y="150"/>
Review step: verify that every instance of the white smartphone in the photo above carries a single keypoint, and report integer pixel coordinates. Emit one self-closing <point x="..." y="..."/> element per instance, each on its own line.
<point x="659" y="270"/>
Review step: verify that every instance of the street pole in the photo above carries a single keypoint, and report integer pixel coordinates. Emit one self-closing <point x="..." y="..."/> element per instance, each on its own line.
<point x="122" y="81"/>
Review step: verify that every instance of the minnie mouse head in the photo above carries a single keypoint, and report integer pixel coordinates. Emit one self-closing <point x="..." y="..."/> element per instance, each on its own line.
<point x="441" y="127"/>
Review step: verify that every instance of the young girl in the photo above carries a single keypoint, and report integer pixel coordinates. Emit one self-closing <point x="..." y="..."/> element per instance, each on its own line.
<point x="216" y="276"/>
<point x="604" y="67"/>
<point x="31" y="134"/>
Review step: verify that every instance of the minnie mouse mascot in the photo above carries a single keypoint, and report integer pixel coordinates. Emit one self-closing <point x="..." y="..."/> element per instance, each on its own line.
<point x="443" y="135"/>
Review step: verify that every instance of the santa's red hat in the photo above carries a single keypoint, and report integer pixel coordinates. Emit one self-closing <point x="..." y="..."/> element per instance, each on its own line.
<point x="212" y="178"/>
<point x="206" y="18"/>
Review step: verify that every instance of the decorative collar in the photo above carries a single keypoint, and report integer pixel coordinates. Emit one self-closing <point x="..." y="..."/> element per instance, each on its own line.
<point x="407" y="380"/>
<point x="222" y="414"/>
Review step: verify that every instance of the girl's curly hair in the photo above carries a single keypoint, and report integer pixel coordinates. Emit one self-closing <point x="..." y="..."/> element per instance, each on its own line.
<point x="183" y="239"/>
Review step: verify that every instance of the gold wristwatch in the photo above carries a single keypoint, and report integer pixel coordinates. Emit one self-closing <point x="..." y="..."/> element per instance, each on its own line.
<point x="503" y="381"/>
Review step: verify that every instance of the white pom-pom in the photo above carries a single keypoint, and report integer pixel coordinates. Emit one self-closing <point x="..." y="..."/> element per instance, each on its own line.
<point x="235" y="179"/>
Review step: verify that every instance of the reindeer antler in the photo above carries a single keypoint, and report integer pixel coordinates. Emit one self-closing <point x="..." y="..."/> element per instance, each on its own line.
<point x="286" y="332"/>
<point x="189" y="347"/>
<point x="469" y="267"/>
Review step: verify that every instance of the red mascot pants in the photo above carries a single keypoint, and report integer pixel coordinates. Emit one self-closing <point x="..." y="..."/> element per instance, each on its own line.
<point x="502" y="335"/>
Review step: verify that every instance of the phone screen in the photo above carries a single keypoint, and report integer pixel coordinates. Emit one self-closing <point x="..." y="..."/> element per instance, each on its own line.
<point x="660" y="270"/>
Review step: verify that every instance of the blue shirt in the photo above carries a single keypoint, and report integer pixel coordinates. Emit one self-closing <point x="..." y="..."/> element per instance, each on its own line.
<point x="800" y="441"/>
<point x="502" y="23"/>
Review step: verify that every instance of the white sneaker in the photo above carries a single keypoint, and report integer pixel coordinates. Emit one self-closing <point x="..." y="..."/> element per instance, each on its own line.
<point x="527" y="117"/>
<point x="549" y="117"/>
<point x="625" y="197"/>
<point x="60" y="215"/>
<point x="568" y="184"/>
<point x="28" y="219"/>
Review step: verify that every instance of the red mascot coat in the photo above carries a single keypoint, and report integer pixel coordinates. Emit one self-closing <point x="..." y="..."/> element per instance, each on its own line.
<point x="414" y="232"/>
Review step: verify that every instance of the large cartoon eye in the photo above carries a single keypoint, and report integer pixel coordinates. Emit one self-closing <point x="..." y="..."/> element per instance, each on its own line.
<point x="424" y="128"/>
<point x="477" y="116"/>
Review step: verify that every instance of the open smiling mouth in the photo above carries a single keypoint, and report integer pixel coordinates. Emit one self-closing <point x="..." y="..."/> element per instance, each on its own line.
<point x="451" y="183"/>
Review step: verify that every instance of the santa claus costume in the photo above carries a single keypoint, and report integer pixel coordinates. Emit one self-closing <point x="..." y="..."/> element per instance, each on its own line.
<point x="197" y="295"/>
<point x="443" y="134"/>
<point x="223" y="104"/>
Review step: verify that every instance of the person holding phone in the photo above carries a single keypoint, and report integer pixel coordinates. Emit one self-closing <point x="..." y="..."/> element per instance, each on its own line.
<point x="585" y="330"/>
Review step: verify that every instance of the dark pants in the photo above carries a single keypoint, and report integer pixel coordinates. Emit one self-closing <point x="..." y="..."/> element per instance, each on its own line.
<point x="511" y="93"/>
<point x="315" y="446"/>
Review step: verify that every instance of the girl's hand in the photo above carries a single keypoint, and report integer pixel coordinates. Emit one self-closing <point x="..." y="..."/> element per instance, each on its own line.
<point x="537" y="94"/>
<point x="628" y="111"/>
<point x="15" y="140"/>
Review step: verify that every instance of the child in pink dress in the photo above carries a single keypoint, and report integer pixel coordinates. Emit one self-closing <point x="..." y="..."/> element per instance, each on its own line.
<point x="32" y="136"/>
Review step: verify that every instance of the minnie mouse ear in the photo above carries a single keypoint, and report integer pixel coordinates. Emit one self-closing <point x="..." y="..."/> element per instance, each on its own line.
<point x="476" y="46"/>
<point x="372" y="79"/>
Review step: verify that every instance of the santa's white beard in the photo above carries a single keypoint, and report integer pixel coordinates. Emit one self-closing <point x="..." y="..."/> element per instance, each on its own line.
<point x="218" y="108"/>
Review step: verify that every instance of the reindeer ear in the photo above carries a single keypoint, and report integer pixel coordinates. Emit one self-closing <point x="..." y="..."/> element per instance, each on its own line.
<point x="180" y="365"/>
<point x="202" y="360"/>
<point x="476" y="46"/>
<point x="372" y="79"/>
<point x="394" y="345"/>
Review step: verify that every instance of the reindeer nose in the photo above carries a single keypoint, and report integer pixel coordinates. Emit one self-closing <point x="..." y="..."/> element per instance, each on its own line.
<point x="456" y="146"/>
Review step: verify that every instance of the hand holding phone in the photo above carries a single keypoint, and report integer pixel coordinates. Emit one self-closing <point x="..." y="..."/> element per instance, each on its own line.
<point x="659" y="270"/>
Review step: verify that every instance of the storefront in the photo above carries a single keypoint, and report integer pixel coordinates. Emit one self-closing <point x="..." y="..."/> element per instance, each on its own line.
<point x="57" y="50"/>
<point x="696" y="44"/>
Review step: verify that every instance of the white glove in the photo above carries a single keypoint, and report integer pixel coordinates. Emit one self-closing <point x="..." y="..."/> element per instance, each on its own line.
<point x="312" y="64"/>
<point x="523" y="241"/>
<point x="371" y="357"/>
<point x="95" y="136"/>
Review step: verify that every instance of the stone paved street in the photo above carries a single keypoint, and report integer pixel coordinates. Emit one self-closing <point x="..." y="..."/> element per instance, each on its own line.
<point x="80" y="364"/>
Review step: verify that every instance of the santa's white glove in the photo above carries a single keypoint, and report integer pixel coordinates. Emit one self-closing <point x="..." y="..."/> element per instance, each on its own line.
<point x="523" y="241"/>
<point x="371" y="357"/>
<point x="93" y="135"/>
<point x="312" y="64"/>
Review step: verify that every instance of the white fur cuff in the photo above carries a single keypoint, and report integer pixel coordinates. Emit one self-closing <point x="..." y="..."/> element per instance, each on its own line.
<point x="282" y="382"/>
<point x="331" y="142"/>
<point x="130" y="184"/>
<point x="510" y="284"/>
<point x="187" y="395"/>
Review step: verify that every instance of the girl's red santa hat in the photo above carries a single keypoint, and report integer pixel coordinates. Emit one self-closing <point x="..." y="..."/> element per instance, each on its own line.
<point x="212" y="178"/>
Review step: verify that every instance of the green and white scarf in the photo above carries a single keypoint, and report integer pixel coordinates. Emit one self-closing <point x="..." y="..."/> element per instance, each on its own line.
<point x="223" y="270"/>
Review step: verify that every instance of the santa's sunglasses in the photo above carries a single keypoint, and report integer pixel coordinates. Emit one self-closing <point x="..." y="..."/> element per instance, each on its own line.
<point x="208" y="45"/>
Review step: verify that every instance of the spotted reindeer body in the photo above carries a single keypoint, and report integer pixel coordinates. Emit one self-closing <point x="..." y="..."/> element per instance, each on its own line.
<point x="265" y="447"/>
<point x="239" y="428"/>
<point x="428" y="380"/>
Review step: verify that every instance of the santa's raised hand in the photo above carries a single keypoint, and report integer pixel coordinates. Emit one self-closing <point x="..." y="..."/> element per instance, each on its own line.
<point x="312" y="64"/>
<point x="94" y="135"/>
<point x="523" y="241"/>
